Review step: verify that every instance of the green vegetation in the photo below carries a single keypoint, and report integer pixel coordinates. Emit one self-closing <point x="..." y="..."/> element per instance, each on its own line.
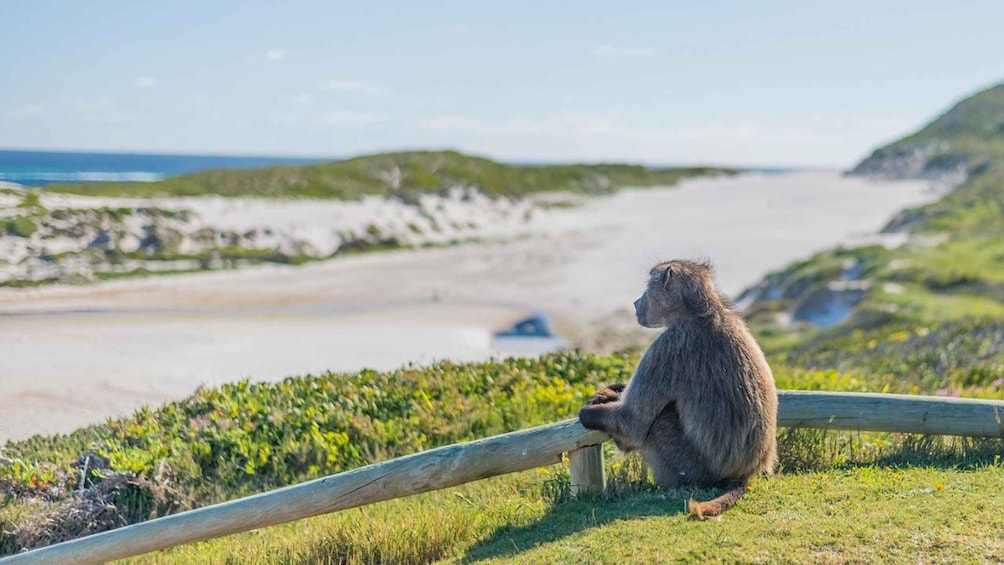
<point x="957" y="357"/>
<point x="25" y="224"/>
<point x="31" y="201"/>
<point x="251" y="436"/>
<point x="224" y="257"/>
<point x="401" y="174"/>
<point x="18" y="226"/>
<point x="247" y="437"/>
<point x="977" y="118"/>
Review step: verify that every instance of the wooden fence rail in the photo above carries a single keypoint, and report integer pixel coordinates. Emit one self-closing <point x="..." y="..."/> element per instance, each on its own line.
<point x="518" y="451"/>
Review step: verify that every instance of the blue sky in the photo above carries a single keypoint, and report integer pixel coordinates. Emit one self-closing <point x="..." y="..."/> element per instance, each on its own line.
<point x="779" y="83"/>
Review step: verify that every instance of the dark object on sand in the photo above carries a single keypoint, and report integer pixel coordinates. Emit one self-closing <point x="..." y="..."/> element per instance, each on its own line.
<point x="533" y="326"/>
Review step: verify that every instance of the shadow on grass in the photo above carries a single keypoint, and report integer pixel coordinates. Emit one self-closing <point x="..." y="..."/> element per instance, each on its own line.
<point x="573" y="516"/>
<point x="807" y="450"/>
<point x="965" y="454"/>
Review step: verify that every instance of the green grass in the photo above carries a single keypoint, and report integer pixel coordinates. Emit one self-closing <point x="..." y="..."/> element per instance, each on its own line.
<point x="940" y="358"/>
<point x="976" y="119"/>
<point x="886" y="510"/>
<point x="868" y="515"/>
<point x="412" y="530"/>
<point x="919" y="305"/>
<point x="402" y="174"/>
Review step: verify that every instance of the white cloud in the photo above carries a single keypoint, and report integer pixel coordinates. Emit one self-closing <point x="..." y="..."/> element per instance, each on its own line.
<point x="859" y="122"/>
<point x="26" y="111"/>
<point x="363" y="86"/>
<point x="274" y="55"/>
<point x="464" y="124"/>
<point x="146" y="82"/>
<point x="354" y="119"/>
<point x="719" y="132"/>
<point x="284" y="120"/>
<point x="596" y="127"/>
<point x="106" y="110"/>
<point x="580" y="125"/>
<point x="606" y="127"/>
<point x="610" y="51"/>
<point x="100" y="104"/>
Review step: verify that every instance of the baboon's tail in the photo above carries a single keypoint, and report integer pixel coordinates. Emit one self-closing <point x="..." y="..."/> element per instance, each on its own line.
<point x="716" y="506"/>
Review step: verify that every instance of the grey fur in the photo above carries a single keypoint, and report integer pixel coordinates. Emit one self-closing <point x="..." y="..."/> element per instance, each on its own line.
<point x="701" y="406"/>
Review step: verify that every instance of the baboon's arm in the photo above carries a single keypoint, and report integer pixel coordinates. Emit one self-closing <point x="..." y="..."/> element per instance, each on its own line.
<point x="629" y="419"/>
<point x="647" y="394"/>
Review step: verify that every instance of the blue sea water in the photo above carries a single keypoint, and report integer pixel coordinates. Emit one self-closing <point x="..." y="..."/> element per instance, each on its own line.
<point x="38" y="168"/>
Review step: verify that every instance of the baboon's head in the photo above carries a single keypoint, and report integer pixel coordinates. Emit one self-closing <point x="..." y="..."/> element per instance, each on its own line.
<point x="676" y="289"/>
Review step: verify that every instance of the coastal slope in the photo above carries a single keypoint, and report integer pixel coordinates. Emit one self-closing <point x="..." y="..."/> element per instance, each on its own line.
<point x="957" y="144"/>
<point x="928" y="303"/>
<point x="400" y="174"/>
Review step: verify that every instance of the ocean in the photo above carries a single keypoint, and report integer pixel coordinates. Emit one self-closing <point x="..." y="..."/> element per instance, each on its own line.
<point x="39" y="168"/>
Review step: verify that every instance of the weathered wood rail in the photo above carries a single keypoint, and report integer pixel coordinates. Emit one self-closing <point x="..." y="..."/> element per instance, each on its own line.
<point x="518" y="451"/>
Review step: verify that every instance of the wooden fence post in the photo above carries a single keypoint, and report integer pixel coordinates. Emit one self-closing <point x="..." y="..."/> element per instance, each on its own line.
<point x="586" y="466"/>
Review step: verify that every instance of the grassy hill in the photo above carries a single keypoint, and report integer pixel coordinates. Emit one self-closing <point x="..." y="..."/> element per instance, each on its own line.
<point x="970" y="134"/>
<point x="397" y="173"/>
<point x="942" y="291"/>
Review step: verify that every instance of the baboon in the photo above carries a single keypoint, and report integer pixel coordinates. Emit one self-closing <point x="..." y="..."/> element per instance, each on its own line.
<point x="701" y="405"/>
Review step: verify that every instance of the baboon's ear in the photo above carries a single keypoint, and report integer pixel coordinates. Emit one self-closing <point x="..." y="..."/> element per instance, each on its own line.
<point x="666" y="276"/>
<point x="695" y="299"/>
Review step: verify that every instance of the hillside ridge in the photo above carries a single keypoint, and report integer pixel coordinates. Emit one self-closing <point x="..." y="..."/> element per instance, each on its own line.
<point x="939" y="275"/>
<point x="951" y="147"/>
<point x="399" y="174"/>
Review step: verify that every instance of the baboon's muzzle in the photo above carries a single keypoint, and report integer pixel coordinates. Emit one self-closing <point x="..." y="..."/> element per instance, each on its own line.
<point x="639" y="310"/>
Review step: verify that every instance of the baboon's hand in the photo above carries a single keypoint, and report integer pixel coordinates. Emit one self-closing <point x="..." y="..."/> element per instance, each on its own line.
<point x="593" y="417"/>
<point x="607" y="394"/>
<point x="599" y="417"/>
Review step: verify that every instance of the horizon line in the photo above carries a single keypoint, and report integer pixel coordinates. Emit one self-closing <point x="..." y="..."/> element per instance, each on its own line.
<point x="526" y="161"/>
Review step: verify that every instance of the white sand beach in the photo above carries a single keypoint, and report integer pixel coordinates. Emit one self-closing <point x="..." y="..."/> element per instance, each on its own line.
<point x="76" y="355"/>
